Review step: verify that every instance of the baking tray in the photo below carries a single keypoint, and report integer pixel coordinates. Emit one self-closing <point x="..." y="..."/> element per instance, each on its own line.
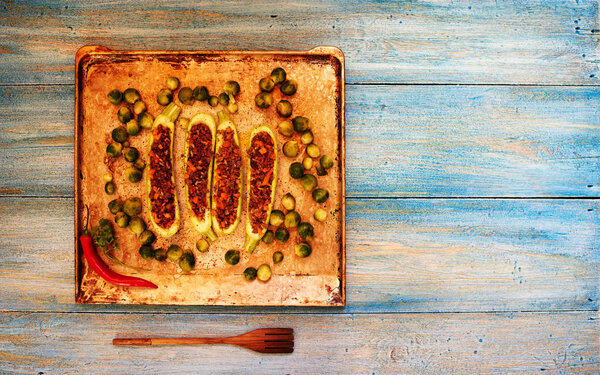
<point x="318" y="280"/>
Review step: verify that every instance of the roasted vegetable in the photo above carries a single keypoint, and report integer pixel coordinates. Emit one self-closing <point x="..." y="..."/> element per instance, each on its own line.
<point x="147" y="252"/>
<point x="290" y="149"/>
<point x="276" y="218"/>
<point x="250" y="273"/>
<point x="320" y="170"/>
<point x="139" y="164"/>
<point x="115" y="96"/>
<point x="114" y="150"/>
<point x="160" y="254"/>
<point x="231" y="88"/>
<point x="131" y="95"/>
<point x="307" y="137"/>
<point x="137" y="225"/>
<point x="277" y="257"/>
<point x="284" y="108"/>
<point x="263" y="100"/>
<point x="124" y="115"/>
<point x="286" y="128"/>
<point x="307" y="163"/>
<point x="213" y="101"/>
<point x="266" y="84"/>
<point x="326" y="161"/>
<point x="131" y="154"/>
<point x="232" y="257"/>
<point x="133" y="128"/>
<point x="146" y="120"/>
<point x="223" y="99"/>
<point x="172" y="83"/>
<point x="109" y="188"/>
<point x="200" y="93"/>
<point x="202" y="245"/>
<point x="268" y="237"/>
<point x="289" y="87"/>
<point x="306" y="231"/>
<point x="164" y="97"/>
<point x="320" y="195"/>
<point x="119" y="134"/>
<point x="132" y="206"/>
<point x="313" y="151"/>
<point x="186" y="95"/>
<point x="146" y="237"/>
<point x="303" y="249"/>
<point x="139" y="107"/>
<point x="278" y="75"/>
<point x="264" y="272"/>
<point x="296" y="170"/>
<point x="114" y="206"/>
<point x="292" y="219"/>
<point x="133" y="174"/>
<point x="320" y="215"/>
<point x="282" y="234"/>
<point x="309" y="182"/>
<point x="174" y="253"/>
<point x="301" y="124"/>
<point x="121" y="219"/>
<point x="187" y="262"/>
<point x="288" y="202"/>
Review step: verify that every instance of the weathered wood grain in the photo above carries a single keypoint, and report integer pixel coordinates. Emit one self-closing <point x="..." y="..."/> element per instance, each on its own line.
<point x="404" y="255"/>
<point x="528" y="41"/>
<point x="508" y="343"/>
<point x="425" y="141"/>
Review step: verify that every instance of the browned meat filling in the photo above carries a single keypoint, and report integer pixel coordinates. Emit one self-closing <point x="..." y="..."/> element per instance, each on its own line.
<point x="228" y="164"/>
<point x="162" y="188"/>
<point x="198" y="167"/>
<point x="262" y="160"/>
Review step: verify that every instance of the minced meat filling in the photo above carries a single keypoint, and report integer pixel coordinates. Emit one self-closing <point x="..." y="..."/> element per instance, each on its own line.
<point x="262" y="160"/>
<point x="162" y="188"/>
<point x="198" y="168"/>
<point x="228" y="165"/>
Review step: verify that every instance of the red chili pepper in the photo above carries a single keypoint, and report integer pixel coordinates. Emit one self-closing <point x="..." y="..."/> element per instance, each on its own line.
<point x="102" y="269"/>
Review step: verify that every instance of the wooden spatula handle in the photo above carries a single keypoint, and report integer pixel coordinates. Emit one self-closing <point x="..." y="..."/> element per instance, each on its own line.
<point x="171" y="341"/>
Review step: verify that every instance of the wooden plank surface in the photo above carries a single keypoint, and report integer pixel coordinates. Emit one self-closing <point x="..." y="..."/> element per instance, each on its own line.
<point x="423" y="141"/>
<point x="528" y="41"/>
<point x="403" y="255"/>
<point x="508" y="343"/>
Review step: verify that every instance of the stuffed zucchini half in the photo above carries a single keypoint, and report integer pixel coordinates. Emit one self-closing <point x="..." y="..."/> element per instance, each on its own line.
<point x="227" y="178"/>
<point x="261" y="181"/>
<point x="160" y="182"/>
<point x="199" y="153"/>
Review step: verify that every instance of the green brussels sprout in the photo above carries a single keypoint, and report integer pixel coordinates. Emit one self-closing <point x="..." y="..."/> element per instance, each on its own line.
<point x="320" y="215"/>
<point x="286" y="128"/>
<point x="288" y="202"/>
<point x="187" y="262"/>
<point x="289" y="87"/>
<point x="121" y="219"/>
<point x="146" y="237"/>
<point x="266" y="84"/>
<point x="264" y="272"/>
<point x="114" y="206"/>
<point x="296" y="170"/>
<point x="131" y="95"/>
<point x="282" y="234"/>
<point x="114" y="149"/>
<point x="137" y="225"/>
<point x="223" y="99"/>
<point x="277" y="257"/>
<point x="290" y="149"/>
<point x="268" y="237"/>
<point x="146" y="120"/>
<point x="202" y="245"/>
<point x="232" y="257"/>
<point x="263" y="100"/>
<point x="186" y="95"/>
<point x="292" y="219"/>
<point x="307" y="163"/>
<point x="139" y="107"/>
<point x="326" y="161"/>
<point x="313" y="151"/>
<point x="164" y="97"/>
<point x="301" y="124"/>
<point x="109" y="188"/>
<point x="213" y="101"/>
<point x="306" y="231"/>
<point x="309" y="182"/>
<point x="183" y="122"/>
<point x="284" y="108"/>
<point x="250" y="273"/>
<point x="139" y="164"/>
<point x="278" y="75"/>
<point x="160" y="254"/>
<point x="132" y="206"/>
<point x="124" y="115"/>
<point x="200" y="93"/>
<point x="115" y="96"/>
<point x="131" y="154"/>
<point x="119" y="134"/>
<point x="133" y="174"/>
<point x="320" y="170"/>
<point x="172" y="83"/>
<point x="174" y="253"/>
<point x="276" y="218"/>
<point x="307" y="137"/>
<point x="147" y="252"/>
<point x="303" y="249"/>
<point x="320" y="195"/>
<point x="231" y="88"/>
<point x="133" y="127"/>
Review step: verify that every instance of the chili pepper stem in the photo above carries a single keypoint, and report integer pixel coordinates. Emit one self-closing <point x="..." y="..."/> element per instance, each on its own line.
<point x="171" y="111"/>
<point x="223" y="116"/>
<point x="210" y="234"/>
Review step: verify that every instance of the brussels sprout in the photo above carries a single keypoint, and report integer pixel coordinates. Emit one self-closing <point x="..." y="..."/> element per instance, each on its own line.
<point x="119" y="134"/>
<point x="296" y="170"/>
<point x="187" y="262"/>
<point x="172" y="83"/>
<point x="115" y="96"/>
<point x="309" y="182"/>
<point x="282" y="234"/>
<point x="133" y="174"/>
<point x="268" y="237"/>
<point x="306" y="231"/>
<point x="186" y="95"/>
<point x="109" y="188"/>
<point x="223" y="99"/>
<point x="278" y="75"/>
<point x="326" y="161"/>
<point x="307" y="163"/>
<point x="307" y="137"/>
<point x="263" y="100"/>
<point x="124" y="115"/>
<point x="320" y="215"/>
<point x="277" y="257"/>
<point x="132" y="206"/>
<point x="164" y="97"/>
<point x="174" y="253"/>
<point x="286" y="128"/>
<point x="202" y="245"/>
<point x="290" y="149"/>
<point x="115" y="206"/>
<point x="139" y="107"/>
<point x="284" y="108"/>
<point x="301" y="124"/>
<point x="232" y="107"/>
<point x="250" y="273"/>
<point x="139" y="164"/>
<point x="213" y="101"/>
<point x="313" y="150"/>
<point x="183" y="122"/>
<point x="146" y="237"/>
<point x="266" y="84"/>
<point x="114" y="149"/>
<point x="133" y="128"/>
<point x="137" y="225"/>
<point x="276" y="218"/>
<point x="303" y="249"/>
<point x="231" y="88"/>
<point x="121" y="219"/>
<point x="200" y="93"/>
<point x="160" y="254"/>
<point x="146" y="120"/>
<point x="292" y="219"/>
<point x="232" y="257"/>
<point x="131" y="154"/>
<point x="289" y="87"/>
<point x="320" y="195"/>
<point x="147" y="252"/>
<point x="131" y="95"/>
<point x="320" y="170"/>
<point x="288" y="202"/>
<point x="264" y="272"/>
<point x="107" y="177"/>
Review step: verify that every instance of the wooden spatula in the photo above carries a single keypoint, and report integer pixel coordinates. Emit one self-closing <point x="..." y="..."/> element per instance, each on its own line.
<point x="263" y="340"/>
